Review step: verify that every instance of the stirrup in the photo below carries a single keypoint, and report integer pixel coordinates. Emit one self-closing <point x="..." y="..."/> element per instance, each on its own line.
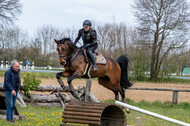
<point x="94" y="68"/>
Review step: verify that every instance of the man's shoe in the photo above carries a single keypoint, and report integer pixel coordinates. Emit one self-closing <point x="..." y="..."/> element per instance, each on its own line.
<point x="13" y="121"/>
<point x="10" y="121"/>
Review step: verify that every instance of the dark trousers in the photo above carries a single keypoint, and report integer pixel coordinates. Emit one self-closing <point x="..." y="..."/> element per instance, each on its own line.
<point x="90" y="51"/>
<point x="11" y="104"/>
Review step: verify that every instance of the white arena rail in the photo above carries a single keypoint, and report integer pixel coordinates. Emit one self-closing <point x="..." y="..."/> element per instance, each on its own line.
<point x="151" y="113"/>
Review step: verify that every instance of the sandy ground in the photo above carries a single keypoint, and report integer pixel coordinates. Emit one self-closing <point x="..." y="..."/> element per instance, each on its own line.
<point x="137" y="95"/>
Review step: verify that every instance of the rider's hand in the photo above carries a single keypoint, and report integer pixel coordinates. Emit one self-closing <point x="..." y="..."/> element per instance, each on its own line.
<point x="86" y="45"/>
<point x="13" y="92"/>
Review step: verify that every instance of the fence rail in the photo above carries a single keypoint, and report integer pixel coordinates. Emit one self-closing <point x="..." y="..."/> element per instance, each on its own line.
<point x="175" y="91"/>
<point x="43" y="88"/>
<point x="152" y="113"/>
<point x="37" y="71"/>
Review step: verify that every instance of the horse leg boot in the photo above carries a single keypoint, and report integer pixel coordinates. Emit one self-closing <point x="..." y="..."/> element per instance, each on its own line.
<point x="71" y="88"/>
<point x="92" y="58"/>
<point x="122" y="93"/>
<point x="58" y="76"/>
<point x="116" y="95"/>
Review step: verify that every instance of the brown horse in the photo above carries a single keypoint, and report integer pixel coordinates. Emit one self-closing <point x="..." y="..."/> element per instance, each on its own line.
<point x="112" y="75"/>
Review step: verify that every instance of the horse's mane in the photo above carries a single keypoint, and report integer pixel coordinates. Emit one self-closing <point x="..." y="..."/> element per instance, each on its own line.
<point x="66" y="40"/>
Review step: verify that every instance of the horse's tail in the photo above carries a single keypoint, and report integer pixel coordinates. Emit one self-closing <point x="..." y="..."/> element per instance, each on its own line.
<point x="123" y="63"/>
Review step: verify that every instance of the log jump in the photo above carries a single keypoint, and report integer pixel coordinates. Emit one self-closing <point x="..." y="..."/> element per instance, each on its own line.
<point x="93" y="114"/>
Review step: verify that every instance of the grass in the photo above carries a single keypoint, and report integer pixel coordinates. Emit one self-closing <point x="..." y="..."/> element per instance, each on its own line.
<point x="45" y="116"/>
<point x="38" y="116"/>
<point x="180" y="112"/>
<point x="41" y="75"/>
<point x="48" y="69"/>
<point x="142" y="79"/>
<point x="161" y="80"/>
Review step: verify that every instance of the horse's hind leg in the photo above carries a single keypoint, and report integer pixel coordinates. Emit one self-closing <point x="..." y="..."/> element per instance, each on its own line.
<point x="122" y="93"/>
<point x="116" y="95"/>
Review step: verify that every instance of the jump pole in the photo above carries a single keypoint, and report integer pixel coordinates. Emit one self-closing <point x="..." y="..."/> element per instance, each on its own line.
<point x="151" y="113"/>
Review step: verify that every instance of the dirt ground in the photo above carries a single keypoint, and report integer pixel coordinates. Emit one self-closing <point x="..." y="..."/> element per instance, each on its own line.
<point x="137" y="95"/>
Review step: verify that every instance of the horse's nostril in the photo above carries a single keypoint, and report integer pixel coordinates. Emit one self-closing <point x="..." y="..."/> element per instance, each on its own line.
<point x="63" y="63"/>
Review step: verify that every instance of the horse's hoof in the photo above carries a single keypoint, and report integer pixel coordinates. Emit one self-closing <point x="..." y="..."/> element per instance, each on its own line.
<point x="66" y="88"/>
<point x="75" y="94"/>
<point x="127" y="110"/>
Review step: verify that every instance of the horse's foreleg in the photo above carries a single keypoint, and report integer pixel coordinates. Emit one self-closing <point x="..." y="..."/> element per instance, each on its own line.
<point x="71" y="88"/>
<point x="58" y="76"/>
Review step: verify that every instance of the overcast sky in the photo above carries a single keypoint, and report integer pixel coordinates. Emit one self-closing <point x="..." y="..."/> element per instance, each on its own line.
<point x="71" y="13"/>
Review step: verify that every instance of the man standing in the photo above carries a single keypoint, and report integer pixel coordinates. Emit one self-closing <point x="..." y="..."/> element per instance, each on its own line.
<point x="11" y="87"/>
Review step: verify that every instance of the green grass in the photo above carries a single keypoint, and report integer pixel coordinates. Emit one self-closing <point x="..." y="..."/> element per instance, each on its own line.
<point x="38" y="116"/>
<point x="45" y="116"/>
<point x="48" y="69"/>
<point x="143" y="79"/>
<point x="180" y="112"/>
<point x="161" y="80"/>
<point x="41" y="75"/>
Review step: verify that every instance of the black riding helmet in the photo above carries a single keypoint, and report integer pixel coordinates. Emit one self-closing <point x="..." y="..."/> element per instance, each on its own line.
<point x="87" y="23"/>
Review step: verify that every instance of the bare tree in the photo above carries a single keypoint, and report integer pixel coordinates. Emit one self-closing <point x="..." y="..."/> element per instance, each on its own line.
<point x="9" y="10"/>
<point x="113" y="39"/>
<point x="165" y="24"/>
<point x="11" y="40"/>
<point x="45" y="35"/>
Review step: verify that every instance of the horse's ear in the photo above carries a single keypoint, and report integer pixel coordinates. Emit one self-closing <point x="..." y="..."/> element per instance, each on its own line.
<point x="55" y="40"/>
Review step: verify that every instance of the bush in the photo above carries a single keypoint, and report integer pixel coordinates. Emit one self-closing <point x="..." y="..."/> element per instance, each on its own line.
<point x="31" y="82"/>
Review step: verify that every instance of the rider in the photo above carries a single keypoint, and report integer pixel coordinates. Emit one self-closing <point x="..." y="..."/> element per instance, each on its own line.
<point x="89" y="37"/>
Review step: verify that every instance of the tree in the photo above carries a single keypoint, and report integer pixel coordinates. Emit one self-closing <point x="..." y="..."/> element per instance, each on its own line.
<point x="12" y="39"/>
<point x="9" y="10"/>
<point x="164" y="24"/>
<point x="113" y="39"/>
<point x="44" y="38"/>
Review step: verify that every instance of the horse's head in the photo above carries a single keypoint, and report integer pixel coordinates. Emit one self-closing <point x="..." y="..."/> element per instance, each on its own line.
<point x="65" y="49"/>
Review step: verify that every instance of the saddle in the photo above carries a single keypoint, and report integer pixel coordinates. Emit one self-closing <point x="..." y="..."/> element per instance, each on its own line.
<point x="99" y="59"/>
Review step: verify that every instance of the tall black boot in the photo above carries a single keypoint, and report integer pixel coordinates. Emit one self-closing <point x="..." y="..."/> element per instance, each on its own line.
<point x="92" y="58"/>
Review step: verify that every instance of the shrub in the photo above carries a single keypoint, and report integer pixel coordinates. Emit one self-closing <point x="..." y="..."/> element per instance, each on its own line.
<point x="31" y="82"/>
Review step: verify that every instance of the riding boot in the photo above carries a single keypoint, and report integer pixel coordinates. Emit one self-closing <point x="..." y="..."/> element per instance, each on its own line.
<point x="92" y="58"/>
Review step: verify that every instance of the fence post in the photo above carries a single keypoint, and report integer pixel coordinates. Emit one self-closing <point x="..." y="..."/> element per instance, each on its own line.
<point x="21" y="65"/>
<point x="175" y="97"/>
<point x="88" y="89"/>
<point x="1" y="64"/>
<point x="32" y="66"/>
<point x="6" y="66"/>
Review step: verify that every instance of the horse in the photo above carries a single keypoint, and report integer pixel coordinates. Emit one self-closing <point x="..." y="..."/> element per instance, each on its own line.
<point x="112" y="75"/>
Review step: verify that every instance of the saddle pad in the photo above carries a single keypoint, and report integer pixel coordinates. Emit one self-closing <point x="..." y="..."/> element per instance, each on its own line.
<point x="100" y="59"/>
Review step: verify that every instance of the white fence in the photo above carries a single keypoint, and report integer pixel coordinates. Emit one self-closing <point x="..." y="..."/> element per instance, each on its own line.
<point x="32" y="67"/>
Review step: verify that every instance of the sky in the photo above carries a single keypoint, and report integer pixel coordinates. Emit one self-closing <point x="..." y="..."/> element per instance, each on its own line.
<point x="72" y="13"/>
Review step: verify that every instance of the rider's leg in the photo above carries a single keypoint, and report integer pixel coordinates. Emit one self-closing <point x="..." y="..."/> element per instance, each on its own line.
<point x="90" y="54"/>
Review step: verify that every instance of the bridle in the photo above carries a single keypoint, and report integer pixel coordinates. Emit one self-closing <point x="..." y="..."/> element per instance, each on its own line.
<point x="67" y="56"/>
<point x="62" y="56"/>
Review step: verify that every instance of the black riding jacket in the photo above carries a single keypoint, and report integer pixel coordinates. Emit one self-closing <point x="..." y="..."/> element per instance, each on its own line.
<point x="88" y="37"/>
